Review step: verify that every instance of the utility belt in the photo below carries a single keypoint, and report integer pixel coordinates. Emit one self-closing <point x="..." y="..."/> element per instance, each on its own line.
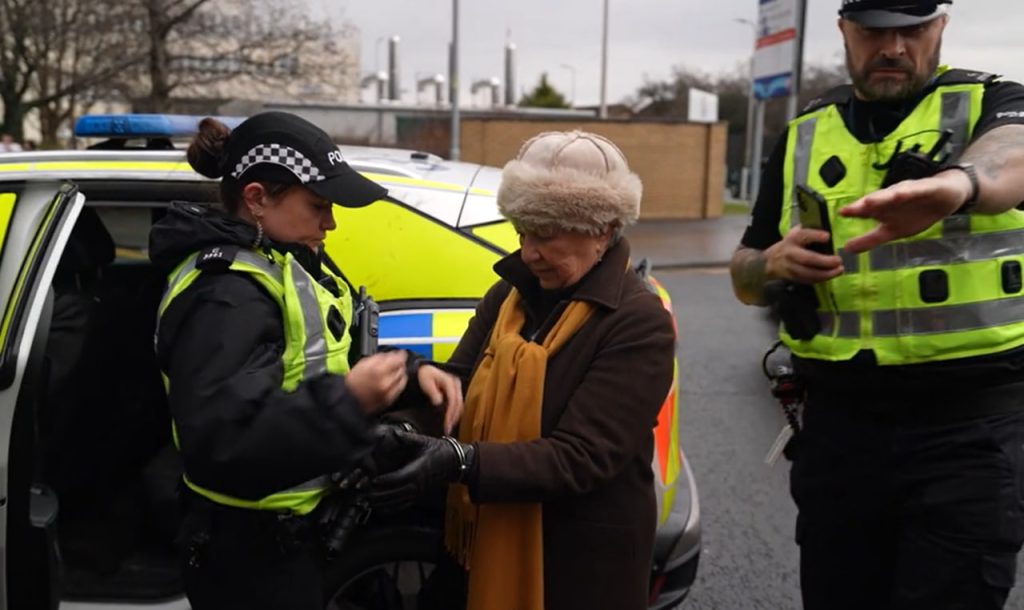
<point x="326" y="530"/>
<point x="204" y="520"/>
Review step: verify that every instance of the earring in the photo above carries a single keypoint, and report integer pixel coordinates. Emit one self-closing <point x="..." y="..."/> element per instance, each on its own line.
<point x="259" y="235"/>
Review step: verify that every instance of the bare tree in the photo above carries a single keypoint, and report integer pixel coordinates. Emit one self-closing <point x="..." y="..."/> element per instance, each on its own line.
<point x="59" y="55"/>
<point x="163" y="18"/>
<point x="50" y="51"/>
<point x="78" y="55"/>
<point x="211" y="49"/>
<point x="668" y="98"/>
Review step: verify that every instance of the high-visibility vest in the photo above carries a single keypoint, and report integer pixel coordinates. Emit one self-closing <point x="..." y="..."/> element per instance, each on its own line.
<point x="951" y="291"/>
<point x="316" y="343"/>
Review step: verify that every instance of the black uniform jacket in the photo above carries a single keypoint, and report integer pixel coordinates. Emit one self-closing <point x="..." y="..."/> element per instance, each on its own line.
<point x="220" y="343"/>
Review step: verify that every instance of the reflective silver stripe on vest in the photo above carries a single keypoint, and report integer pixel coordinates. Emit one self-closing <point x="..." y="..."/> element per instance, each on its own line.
<point x="956" y="116"/>
<point x="310" y="485"/>
<point x="801" y="163"/>
<point x="316" y="346"/>
<point x="185" y="269"/>
<point x="177" y="279"/>
<point x="954" y="318"/>
<point x="262" y="263"/>
<point x="849" y="324"/>
<point x="948" y="250"/>
<point x="851" y="261"/>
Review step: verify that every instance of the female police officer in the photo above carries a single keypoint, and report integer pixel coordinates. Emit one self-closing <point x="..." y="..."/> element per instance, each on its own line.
<point x="253" y="341"/>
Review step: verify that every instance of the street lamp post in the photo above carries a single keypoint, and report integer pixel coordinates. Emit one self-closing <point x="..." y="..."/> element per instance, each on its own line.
<point x="572" y="73"/>
<point x="748" y="146"/>
<point x="603" y="111"/>
<point x="798" y="60"/>
<point x="454" y="83"/>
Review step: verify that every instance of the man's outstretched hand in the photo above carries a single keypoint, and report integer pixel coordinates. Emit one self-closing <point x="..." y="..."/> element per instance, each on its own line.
<point x="907" y="208"/>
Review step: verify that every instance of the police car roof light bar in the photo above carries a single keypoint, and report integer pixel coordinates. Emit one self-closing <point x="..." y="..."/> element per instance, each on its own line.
<point x="144" y="125"/>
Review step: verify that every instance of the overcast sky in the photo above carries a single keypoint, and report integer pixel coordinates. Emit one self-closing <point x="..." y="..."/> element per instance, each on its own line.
<point x="646" y="38"/>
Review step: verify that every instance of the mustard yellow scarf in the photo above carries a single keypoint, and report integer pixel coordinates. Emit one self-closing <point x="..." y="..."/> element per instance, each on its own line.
<point x="502" y="544"/>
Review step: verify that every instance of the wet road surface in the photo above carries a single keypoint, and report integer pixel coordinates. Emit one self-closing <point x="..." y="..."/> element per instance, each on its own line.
<point x="729" y="420"/>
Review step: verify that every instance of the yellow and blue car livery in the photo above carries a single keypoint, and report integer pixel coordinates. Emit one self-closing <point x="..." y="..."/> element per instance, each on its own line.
<point x="425" y="254"/>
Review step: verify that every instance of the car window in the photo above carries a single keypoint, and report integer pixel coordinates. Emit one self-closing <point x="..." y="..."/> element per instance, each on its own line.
<point x="481" y="204"/>
<point x="129" y="227"/>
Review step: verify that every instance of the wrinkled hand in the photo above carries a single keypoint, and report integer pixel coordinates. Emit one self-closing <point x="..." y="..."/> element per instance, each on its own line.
<point x="377" y="380"/>
<point x="434" y="464"/>
<point x="908" y="207"/>
<point x="443" y="390"/>
<point x="790" y="259"/>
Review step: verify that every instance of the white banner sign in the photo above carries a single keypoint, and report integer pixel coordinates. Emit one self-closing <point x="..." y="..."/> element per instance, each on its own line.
<point x="701" y="106"/>
<point x="776" y="49"/>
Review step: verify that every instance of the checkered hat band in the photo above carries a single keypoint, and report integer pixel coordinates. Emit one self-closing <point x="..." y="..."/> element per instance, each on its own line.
<point x="282" y="155"/>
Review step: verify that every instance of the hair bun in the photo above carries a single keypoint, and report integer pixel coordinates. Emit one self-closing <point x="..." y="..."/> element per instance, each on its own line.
<point x="207" y="154"/>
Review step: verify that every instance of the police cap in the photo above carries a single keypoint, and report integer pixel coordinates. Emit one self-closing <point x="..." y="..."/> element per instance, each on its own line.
<point x="286" y="149"/>
<point x="892" y="13"/>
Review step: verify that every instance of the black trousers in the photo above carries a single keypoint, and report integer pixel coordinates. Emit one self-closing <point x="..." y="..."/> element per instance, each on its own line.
<point x="246" y="560"/>
<point x="902" y="514"/>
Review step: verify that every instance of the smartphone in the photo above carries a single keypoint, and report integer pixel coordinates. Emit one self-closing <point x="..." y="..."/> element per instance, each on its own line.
<point x="813" y="211"/>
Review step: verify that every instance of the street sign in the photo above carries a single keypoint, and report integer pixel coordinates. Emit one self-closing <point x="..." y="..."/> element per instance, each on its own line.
<point x="776" y="48"/>
<point x="701" y="107"/>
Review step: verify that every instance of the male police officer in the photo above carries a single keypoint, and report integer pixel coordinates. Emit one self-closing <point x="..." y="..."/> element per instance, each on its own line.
<point x="909" y="471"/>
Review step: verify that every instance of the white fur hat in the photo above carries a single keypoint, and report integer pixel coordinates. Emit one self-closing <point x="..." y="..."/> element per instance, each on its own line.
<point x="572" y="181"/>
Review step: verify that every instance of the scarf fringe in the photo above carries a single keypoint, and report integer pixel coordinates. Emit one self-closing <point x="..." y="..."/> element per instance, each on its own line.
<point x="460" y="517"/>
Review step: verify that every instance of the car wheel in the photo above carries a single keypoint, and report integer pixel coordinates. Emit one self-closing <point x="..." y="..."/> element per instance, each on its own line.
<point x="382" y="569"/>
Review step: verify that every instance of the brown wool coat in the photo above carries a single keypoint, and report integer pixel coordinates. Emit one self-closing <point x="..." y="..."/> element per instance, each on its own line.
<point x="591" y="469"/>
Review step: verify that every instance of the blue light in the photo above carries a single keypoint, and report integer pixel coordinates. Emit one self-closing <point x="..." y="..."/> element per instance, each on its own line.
<point x="143" y="125"/>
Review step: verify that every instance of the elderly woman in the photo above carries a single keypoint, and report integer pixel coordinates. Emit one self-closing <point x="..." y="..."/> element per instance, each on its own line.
<point x="567" y="360"/>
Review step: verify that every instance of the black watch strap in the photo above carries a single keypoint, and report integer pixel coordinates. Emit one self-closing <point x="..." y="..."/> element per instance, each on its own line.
<point x="972" y="174"/>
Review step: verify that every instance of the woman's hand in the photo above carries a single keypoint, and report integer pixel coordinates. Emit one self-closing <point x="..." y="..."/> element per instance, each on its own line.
<point x="443" y="390"/>
<point x="377" y="380"/>
<point x="435" y="462"/>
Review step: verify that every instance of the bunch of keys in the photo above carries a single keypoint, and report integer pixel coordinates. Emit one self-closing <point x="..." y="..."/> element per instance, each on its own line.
<point x="785" y="435"/>
<point x="787" y="389"/>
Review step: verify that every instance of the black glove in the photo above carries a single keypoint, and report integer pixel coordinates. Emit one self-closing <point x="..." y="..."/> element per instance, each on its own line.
<point x="389" y="453"/>
<point x="436" y="462"/>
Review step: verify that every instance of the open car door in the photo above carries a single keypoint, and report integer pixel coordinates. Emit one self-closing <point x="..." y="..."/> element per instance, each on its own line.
<point x="36" y="219"/>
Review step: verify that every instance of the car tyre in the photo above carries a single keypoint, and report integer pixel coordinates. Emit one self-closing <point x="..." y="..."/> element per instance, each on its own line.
<point x="382" y="568"/>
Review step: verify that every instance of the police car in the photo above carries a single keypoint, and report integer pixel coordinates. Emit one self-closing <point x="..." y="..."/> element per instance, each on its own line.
<point x="88" y="476"/>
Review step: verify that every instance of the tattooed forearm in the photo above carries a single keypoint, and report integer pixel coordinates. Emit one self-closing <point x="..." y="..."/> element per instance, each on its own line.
<point x="748" y="275"/>
<point x="999" y="158"/>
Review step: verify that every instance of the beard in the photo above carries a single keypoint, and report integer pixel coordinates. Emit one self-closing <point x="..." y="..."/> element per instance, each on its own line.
<point x="892" y="89"/>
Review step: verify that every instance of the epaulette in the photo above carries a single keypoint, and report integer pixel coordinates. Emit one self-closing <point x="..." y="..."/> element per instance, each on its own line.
<point x="965" y="77"/>
<point x="836" y="95"/>
<point x="217" y="258"/>
<point x="188" y="207"/>
<point x="843" y="93"/>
